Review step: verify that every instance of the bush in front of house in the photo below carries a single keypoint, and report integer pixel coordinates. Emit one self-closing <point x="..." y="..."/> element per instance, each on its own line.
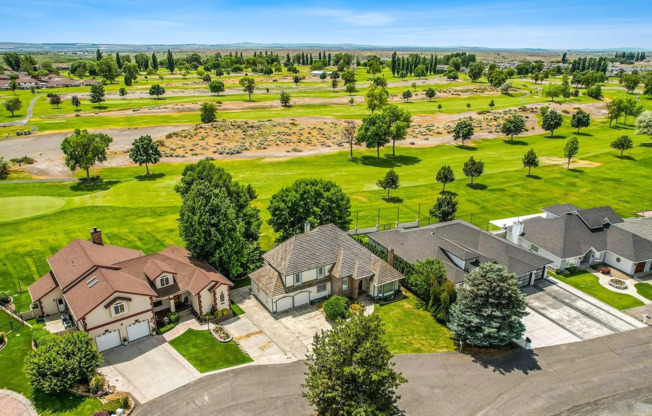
<point x="60" y="362"/>
<point x="97" y="384"/>
<point x="174" y="317"/>
<point x="337" y="307"/>
<point x="40" y="336"/>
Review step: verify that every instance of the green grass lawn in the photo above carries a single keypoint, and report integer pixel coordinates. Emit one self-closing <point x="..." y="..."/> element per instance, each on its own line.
<point x="644" y="289"/>
<point x="206" y="353"/>
<point x="142" y="212"/>
<point x="13" y="378"/>
<point x="410" y="330"/>
<point x="237" y="310"/>
<point x="590" y="284"/>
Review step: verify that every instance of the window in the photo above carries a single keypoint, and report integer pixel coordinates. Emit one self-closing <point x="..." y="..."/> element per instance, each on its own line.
<point x="118" y="308"/>
<point x="388" y="288"/>
<point x="222" y="297"/>
<point x="158" y="303"/>
<point x="297" y="279"/>
<point x="320" y="272"/>
<point x="534" y="248"/>
<point x="164" y="281"/>
<point x="345" y="283"/>
<point x="322" y="288"/>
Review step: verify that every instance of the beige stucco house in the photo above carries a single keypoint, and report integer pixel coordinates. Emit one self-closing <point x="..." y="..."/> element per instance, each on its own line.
<point x="114" y="293"/>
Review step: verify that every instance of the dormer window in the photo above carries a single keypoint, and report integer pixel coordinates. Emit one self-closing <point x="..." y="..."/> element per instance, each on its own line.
<point x="119" y="308"/>
<point x="320" y="272"/>
<point x="297" y="279"/>
<point x="164" y="281"/>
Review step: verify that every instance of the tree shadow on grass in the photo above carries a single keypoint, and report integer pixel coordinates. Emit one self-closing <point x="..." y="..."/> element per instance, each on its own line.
<point x="575" y="170"/>
<point x="150" y="177"/>
<point x="515" y="142"/>
<point x="389" y="161"/>
<point x="466" y="147"/>
<point x="56" y="403"/>
<point x="96" y="184"/>
<point x="477" y="186"/>
<point x="645" y="144"/>
<point x="451" y="193"/>
<point x="625" y="157"/>
<point x="393" y="199"/>
<point x="622" y="126"/>
<point x="556" y="137"/>
<point x="583" y="134"/>
<point x="505" y="362"/>
<point x="537" y="177"/>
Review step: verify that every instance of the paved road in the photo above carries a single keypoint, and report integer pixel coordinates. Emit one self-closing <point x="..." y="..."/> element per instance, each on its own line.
<point x="546" y="381"/>
<point x="29" y="115"/>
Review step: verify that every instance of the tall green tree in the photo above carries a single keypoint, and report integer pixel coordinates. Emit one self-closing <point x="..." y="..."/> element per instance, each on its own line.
<point x="75" y="102"/>
<point x="350" y="371"/>
<point x="13" y="104"/>
<point x="489" y="309"/>
<point x="622" y="143"/>
<point x="530" y="160"/>
<point x="445" y="175"/>
<point x="108" y="68"/>
<point x="96" y="95"/>
<point x="476" y="69"/>
<point x="170" y="62"/>
<point x="316" y="201"/>
<point x="513" y="126"/>
<point x="398" y="121"/>
<point x="208" y="113"/>
<point x="248" y="85"/>
<point x="154" y="61"/>
<point x="580" y="119"/>
<point x="145" y="151"/>
<point x="571" y="149"/>
<point x="473" y="169"/>
<point x="552" y="120"/>
<point x="84" y="149"/>
<point x="157" y="90"/>
<point x="445" y="208"/>
<point x="463" y="130"/>
<point x="374" y="132"/>
<point x="430" y="93"/>
<point x="389" y="181"/>
<point x="216" y="87"/>
<point x="376" y="98"/>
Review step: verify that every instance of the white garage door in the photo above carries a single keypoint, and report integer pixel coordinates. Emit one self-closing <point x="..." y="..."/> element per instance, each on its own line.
<point x="301" y="298"/>
<point x="108" y="340"/>
<point x="284" y="304"/>
<point x="138" y="330"/>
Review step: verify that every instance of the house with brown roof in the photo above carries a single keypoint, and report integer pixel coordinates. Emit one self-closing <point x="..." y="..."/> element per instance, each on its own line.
<point x="317" y="264"/>
<point x="114" y="293"/>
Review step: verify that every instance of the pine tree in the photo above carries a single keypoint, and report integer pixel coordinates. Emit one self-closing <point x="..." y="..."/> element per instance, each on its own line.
<point x="154" y="61"/>
<point x="117" y="60"/>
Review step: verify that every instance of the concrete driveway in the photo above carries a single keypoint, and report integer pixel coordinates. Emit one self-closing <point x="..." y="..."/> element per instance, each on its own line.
<point x="147" y="368"/>
<point x="561" y="314"/>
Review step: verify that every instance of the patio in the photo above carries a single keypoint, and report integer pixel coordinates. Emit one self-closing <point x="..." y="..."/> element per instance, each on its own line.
<point x="59" y="323"/>
<point x="630" y="290"/>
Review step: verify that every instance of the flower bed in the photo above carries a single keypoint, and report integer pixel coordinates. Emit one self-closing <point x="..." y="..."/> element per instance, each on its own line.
<point x="221" y="334"/>
<point x="617" y="283"/>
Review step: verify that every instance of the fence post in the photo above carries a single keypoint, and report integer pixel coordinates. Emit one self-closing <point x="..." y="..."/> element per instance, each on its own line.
<point x="378" y="221"/>
<point x="419" y="215"/>
<point x="398" y="214"/>
<point x="357" y="214"/>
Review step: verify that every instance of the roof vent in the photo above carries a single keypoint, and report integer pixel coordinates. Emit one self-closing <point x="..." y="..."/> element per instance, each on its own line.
<point x="92" y="282"/>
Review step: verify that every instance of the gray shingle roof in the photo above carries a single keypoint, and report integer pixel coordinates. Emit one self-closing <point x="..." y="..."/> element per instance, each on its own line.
<point x="462" y="240"/>
<point x="325" y="245"/>
<point x="639" y="226"/>
<point x="561" y="209"/>
<point x="573" y="235"/>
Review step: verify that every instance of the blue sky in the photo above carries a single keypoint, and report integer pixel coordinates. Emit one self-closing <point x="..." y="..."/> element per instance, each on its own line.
<point x="569" y="24"/>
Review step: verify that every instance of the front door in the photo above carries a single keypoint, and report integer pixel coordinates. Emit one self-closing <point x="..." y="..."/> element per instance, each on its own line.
<point x="61" y="304"/>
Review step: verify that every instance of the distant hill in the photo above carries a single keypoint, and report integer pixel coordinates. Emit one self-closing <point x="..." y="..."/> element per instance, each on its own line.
<point x="81" y="47"/>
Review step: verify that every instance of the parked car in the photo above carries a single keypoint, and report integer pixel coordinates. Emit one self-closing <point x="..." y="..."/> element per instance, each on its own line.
<point x="19" y="133"/>
<point x="26" y="132"/>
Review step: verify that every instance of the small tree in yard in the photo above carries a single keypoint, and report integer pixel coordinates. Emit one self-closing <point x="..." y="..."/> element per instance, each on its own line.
<point x="55" y="100"/>
<point x="389" y="181"/>
<point x="552" y="120"/>
<point x="13" y="104"/>
<point x="350" y="88"/>
<point x="644" y="123"/>
<point x="248" y="85"/>
<point x="157" y="90"/>
<point x="334" y="83"/>
<point x="445" y="175"/>
<point x="463" y="130"/>
<point x="571" y="148"/>
<point x="348" y="134"/>
<point x="337" y="307"/>
<point x="75" y="102"/>
<point x="622" y="143"/>
<point x="407" y="95"/>
<point x="97" y="94"/>
<point x="285" y="99"/>
<point x="513" y="126"/>
<point x="350" y="370"/>
<point x="208" y="113"/>
<point x="580" y="119"/>
<point x="122" y="91"/>
<point x="144" y="150"/>
<point x="429" y="283"/>
<point x="489" y="308"/>
<point x="84" y="149"/>
<point x="374" y="132"/>
<point x="430" y="93"/>
<point x="530" y="160"/>
<point x="445" y="208"/>
<point x="473" y="169"/>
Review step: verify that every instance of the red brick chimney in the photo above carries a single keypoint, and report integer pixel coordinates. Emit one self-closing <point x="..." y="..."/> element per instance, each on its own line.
<point x="390" y="256"/>
<point x="96" y="236"/>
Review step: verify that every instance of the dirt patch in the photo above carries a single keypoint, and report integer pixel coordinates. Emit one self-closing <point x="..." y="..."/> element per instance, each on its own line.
<point x="249" y="335"/>
<point x="575" y="163"/>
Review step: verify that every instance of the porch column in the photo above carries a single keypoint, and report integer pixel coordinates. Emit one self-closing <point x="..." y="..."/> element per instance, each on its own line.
<point x="172" y="304"/>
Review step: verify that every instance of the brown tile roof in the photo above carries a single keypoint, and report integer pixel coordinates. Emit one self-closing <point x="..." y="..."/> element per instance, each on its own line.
<point x="42" y="287"/>
<point x="189" y="274"/>
<point x="80" y="256"/>
<point x="86" y="296"/>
